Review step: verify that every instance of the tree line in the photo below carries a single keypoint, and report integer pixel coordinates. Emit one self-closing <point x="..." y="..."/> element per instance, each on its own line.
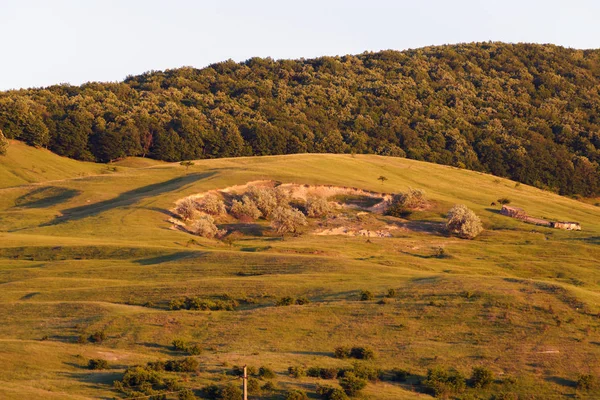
<point x="524" y="111"/>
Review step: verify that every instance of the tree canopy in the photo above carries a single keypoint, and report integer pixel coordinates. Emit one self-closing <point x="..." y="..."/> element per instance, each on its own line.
<point x="524" y="111"/>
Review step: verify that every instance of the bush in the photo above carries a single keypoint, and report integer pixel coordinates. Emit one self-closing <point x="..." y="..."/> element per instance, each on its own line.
<point x="253" y="386"/>
<point x="97" y="363"/>
<point x="503" y="200"/>
<point x="366" y="295"/>
<point x="188" y="364"/>
<point x="138" y="376"/>
<point x="328" y="373"/>
<point x="482" y="377"/>
<point x="400" y="375"/>
<point x="314" y="372"/>
<point x="97" y="337"/>
<point x="268" y="387"/>
<point x="285" y="301"/>
<point x="302" y="301"/>
<point x="442" y="382"/>
<point x="186" y="394"/>
<point x="342" y="352"/>
<point x="331" y="393"/>
<point x="586" y="382"/>
<point x="296" y="371"/>
<point x="205" y="226"/>
<point x="264" y="198"/>
<point x="196" y="303"/>
<point x="211" y="204"/>
<point x="317" y="207"/>
<point x="404" y="202"/>
<point x="3" y="144"/>
<point x="391" y="293"/>
<point x="352" y="384"/>
<point x="463" y="222"/>
<point x="266" y="373"/>
<point x="245" y="209"/>
<point x="287" y="220"/>
<point x="365" y="371"/>
<point x="186" y="209"/>
<point x="296" y="394"/>
<point x="362" y="353"/>
<point x="239" y="371"/>
<point x="179" y="345"/>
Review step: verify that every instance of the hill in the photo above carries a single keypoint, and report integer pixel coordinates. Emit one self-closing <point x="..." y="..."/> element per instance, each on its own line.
<point x="90" y="266"/>
<point x="523" y="111"/>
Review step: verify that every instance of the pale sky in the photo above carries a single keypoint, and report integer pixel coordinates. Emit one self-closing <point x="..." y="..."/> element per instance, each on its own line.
<point x="76" y="41"/>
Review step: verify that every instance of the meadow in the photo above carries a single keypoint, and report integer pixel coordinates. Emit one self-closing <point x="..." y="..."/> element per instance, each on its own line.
<point x="88" y="248"/>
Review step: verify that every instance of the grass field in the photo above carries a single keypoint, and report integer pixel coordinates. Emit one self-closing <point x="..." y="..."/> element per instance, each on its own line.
<point x="88" y="248"/>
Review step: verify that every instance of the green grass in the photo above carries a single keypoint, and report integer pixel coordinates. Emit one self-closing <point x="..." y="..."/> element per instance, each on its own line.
<point x="80" y="254"/>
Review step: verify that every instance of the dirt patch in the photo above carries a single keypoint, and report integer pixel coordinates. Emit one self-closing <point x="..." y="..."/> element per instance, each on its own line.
<point x="346" y="231"/>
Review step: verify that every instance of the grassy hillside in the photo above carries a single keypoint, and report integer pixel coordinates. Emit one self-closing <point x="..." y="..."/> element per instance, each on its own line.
<point x="86" y="254"/>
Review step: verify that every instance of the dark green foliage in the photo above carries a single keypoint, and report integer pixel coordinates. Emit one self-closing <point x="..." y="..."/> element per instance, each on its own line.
<point x="3" y="144"/>
<point x="362" y="353"/>
<point x="266" y="373"/>
<point x="503" y="200"/>
<point x="490" y="107"/>
<point x="331" y="393"/>
<point x="188" y="364"/>
<point x="97" y="337"/>
<point x="400" y="375"/>
<point x="139" y="381"/>
<point x="296" y="394"/>
<point x="366" y="371"/>
<point x="268" y="387"/>
<point x="366" y="295"/>
<point x="391" y="293"/>
<point x="328" y="373"/>
<point x="302" y="301"/>
<point x="352" y="384"/>
<point x="228" y="392"/>
<point x="586" y="382"/>
<point x="482" y="377"/>
<point x="239" y="371"/>
<point x="186" y="394"/>
<point x="179" y="345"/>
<point x="285" y="301"/>
<point x="253" y="386"/>
<point x="197" y="303"/>
<point x="342" y="352"/>
<point x="97" y="363"/>
<point x="192" y="349"/>
<point x="442" y="382"/>
<point x="314" y="372"/>
<point x="296" y="371"/>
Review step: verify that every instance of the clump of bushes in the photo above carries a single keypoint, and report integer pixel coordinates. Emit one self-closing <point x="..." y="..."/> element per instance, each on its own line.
<point x="296" y="371"/>
<point x="443" y="382"/>
<point x="186" y="209"/>
<point x="403" y="203"/>
<point x="400" y="374"/>
<point x="482" y="377"/>
<point x="287" y="220"/>
<point x="228" y="392"/>
<point x="503" y="200"/>
<point x="192" y="349"/>
<point x="366" y="371"/>
<point x="139" y="380"/>
<point x="331" y="393"/>
<point x="360" y="353"/>
<point x="97" y="337"/>
<point x="188" y="364"/>
<point x="296" y="394"/>
<point x="212" y="205"/>
<point x="352" y="384"/>
<point x="318" y="207"/>
<point x="366" y="295"/>
<point x="288" y="301"/>
<point x="463" y="222"/>
<point x="97" y="363"/>
<point x="264" y="198"/>
<point x="266" y="373"/>
<point x="246" y="208"/>
<point x="196" y="303"/>
<point x="205" y="226"/>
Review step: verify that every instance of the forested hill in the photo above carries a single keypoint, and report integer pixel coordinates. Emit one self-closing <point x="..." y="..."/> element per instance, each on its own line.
<point x="528" y="112"/>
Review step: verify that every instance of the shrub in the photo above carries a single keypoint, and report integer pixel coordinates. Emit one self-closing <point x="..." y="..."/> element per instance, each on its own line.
<point x="296" y="394"/>
<point x="362" y="353"/>
<point x="366" y="295"/>
<point x="239" y="371"/>
<point x="229" y="392"/>
<point x="194" y="350"/>
<point x="400" y="375"/>
<point x="186" y="209"/>
<point x="314" y="372"/>
<point x="342" y="352"/>
<point x="97" y="337"/>
<point x="3" y="144"/>
<point x="186" y="394"/>
<point x="482" y="377"/>
<point x="253" y="386"/>
<point x="97" y="363"/>
<point x="365" y="371"/>
<point x="328" y="373"/>
<point x="413" y="199"/>
<point x="302" y="301"/>
<point x="586" y="382"/>
<point x="268" y="387"/>
<point x="442" y="382"/>
<point x="188" y="364"/>
<point x="463" y="222"/>
<point x="245" y="208"/>
<point x="196" y="303"/>
<point x="331" y="393"/>
<point x="211" y="204"/>
<point x="205" y="226"/>
<point x="296" y="371"/>
<point x="505" y="396"/>
<point x="179" y="345"/>
<point x="352" y="384"/>
<point x="317" y="207"/>
<point x="283" y="196"/>
<point x="391" y="293"/>
<point x="285" y="301"/>
<point x="266" y="373"/>
<point x="264" y="198"/>
<point x="503" y="200"/>
<point x="138" y="376"/>
<point x="287" y="220"/>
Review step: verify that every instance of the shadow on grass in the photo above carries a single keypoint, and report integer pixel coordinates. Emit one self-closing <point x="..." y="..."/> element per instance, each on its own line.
<point x="561" y="381"/>
<point x="165" y="258"/>
<point x="46" y="197"/>
<point x="128" y="198"/>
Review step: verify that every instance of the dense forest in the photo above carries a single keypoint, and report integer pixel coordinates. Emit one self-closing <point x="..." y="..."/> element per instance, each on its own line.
<point x="524" y="111"/>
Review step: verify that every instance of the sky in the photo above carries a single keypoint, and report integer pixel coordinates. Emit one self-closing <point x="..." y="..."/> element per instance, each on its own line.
<point x="46" y="42"/>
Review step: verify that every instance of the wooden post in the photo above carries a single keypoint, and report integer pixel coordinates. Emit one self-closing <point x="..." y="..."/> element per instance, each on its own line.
<point x="245" y="378"/>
